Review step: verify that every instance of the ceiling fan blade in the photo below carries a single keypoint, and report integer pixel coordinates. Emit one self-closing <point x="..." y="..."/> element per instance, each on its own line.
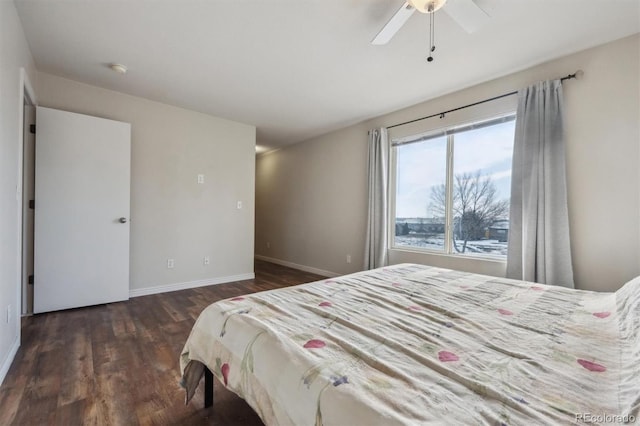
<point x="467" y="14"/>
<point x="395" y="23"/>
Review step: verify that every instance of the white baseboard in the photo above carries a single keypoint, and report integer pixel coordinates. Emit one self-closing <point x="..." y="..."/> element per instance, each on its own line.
<point x="6" y="364"/>
<point x="137" y="292"/>
<point x="297" y="266"/>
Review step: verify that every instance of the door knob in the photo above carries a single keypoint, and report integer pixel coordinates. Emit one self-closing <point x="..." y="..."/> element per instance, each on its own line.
<point x="123" y="220"/>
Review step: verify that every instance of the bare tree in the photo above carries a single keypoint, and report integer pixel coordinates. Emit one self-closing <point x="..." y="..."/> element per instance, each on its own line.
<point x="475" y="206"/>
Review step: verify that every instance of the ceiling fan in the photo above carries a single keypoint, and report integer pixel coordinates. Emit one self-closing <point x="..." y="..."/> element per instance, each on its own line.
<point x="465" y="12"/>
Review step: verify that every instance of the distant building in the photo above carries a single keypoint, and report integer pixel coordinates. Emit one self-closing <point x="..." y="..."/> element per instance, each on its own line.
<point x="499" y="230"/>
<point x="428" y="227"/>
<point x="420" y="226"/>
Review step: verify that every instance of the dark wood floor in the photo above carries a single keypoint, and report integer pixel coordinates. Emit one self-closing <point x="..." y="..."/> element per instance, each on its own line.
<point x="117" y="364"/>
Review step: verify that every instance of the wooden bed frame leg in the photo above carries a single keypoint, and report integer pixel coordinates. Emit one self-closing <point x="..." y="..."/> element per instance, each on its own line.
<point x="208" y="387"/>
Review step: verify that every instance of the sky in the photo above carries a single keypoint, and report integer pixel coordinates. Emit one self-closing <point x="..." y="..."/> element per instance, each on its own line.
<point x="422" y="165"/>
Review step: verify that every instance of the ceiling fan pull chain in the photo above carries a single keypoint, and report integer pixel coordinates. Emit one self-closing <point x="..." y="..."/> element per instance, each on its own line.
<point x="432" y="36"/>
<point x="433" y="26"/>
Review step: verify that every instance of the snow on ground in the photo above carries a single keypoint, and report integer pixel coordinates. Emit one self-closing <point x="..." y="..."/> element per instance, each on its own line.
<point x="479" y="247"/>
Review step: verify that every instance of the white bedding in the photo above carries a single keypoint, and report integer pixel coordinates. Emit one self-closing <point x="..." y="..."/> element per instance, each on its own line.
<point x="412" y="344"/>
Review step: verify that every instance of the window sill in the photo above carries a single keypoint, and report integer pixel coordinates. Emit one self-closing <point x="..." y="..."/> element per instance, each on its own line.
<point x="471" y="257"/>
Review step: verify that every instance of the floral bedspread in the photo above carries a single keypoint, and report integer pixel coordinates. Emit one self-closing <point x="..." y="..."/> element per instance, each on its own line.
<point x="412" y="344"/>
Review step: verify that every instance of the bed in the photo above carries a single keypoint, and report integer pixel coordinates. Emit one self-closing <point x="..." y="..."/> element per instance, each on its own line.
<point x="413" y="344"/>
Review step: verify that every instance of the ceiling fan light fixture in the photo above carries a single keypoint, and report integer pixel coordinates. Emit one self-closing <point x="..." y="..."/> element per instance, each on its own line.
<point x="426" y="6"/>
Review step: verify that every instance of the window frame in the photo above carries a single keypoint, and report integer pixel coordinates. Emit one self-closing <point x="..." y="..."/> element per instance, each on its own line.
<point x="449" y="131"/>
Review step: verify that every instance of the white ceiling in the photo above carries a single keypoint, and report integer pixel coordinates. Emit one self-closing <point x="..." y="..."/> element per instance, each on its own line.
<point x="300" y="68"/>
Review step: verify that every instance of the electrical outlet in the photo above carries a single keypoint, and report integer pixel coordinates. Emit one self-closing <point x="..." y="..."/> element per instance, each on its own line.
<point x="8" y="314"/>
<point x="170" y="263"/>
<point x="206" y="260"/>
<point x="268" y="245"/>
<point x="200" y="178"/>
<point x="239" y="205"/>
<point x="348" y="258"/>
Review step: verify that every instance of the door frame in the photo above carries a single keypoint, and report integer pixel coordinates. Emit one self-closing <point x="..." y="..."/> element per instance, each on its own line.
<point x="26" y="95"/>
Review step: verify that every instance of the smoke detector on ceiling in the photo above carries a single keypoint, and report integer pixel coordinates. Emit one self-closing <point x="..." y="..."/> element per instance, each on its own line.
<point x="119" y="68"/>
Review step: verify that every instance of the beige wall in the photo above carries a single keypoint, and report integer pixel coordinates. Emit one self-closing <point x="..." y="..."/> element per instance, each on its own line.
<point x="309" y="202"/>
<point x="14" y="54"/>
<point x="171" y="215"/>
<point x="311" y="197"/>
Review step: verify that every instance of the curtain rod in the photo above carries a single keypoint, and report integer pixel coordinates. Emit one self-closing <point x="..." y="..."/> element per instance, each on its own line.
<point x="576" y="74"/>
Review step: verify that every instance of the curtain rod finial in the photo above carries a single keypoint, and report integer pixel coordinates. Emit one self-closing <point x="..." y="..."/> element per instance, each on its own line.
<point x="579" y="74"/>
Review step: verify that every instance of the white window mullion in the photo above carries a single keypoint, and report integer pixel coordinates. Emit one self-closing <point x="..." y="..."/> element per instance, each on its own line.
<point x="448" y="234"/>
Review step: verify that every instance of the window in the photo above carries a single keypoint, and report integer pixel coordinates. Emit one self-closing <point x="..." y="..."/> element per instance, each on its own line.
<point x="452" y="189"/>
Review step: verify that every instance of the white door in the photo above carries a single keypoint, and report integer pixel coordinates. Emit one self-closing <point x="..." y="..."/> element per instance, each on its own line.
<point x="81" y="210"/>
<point x="28" y="193"/>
